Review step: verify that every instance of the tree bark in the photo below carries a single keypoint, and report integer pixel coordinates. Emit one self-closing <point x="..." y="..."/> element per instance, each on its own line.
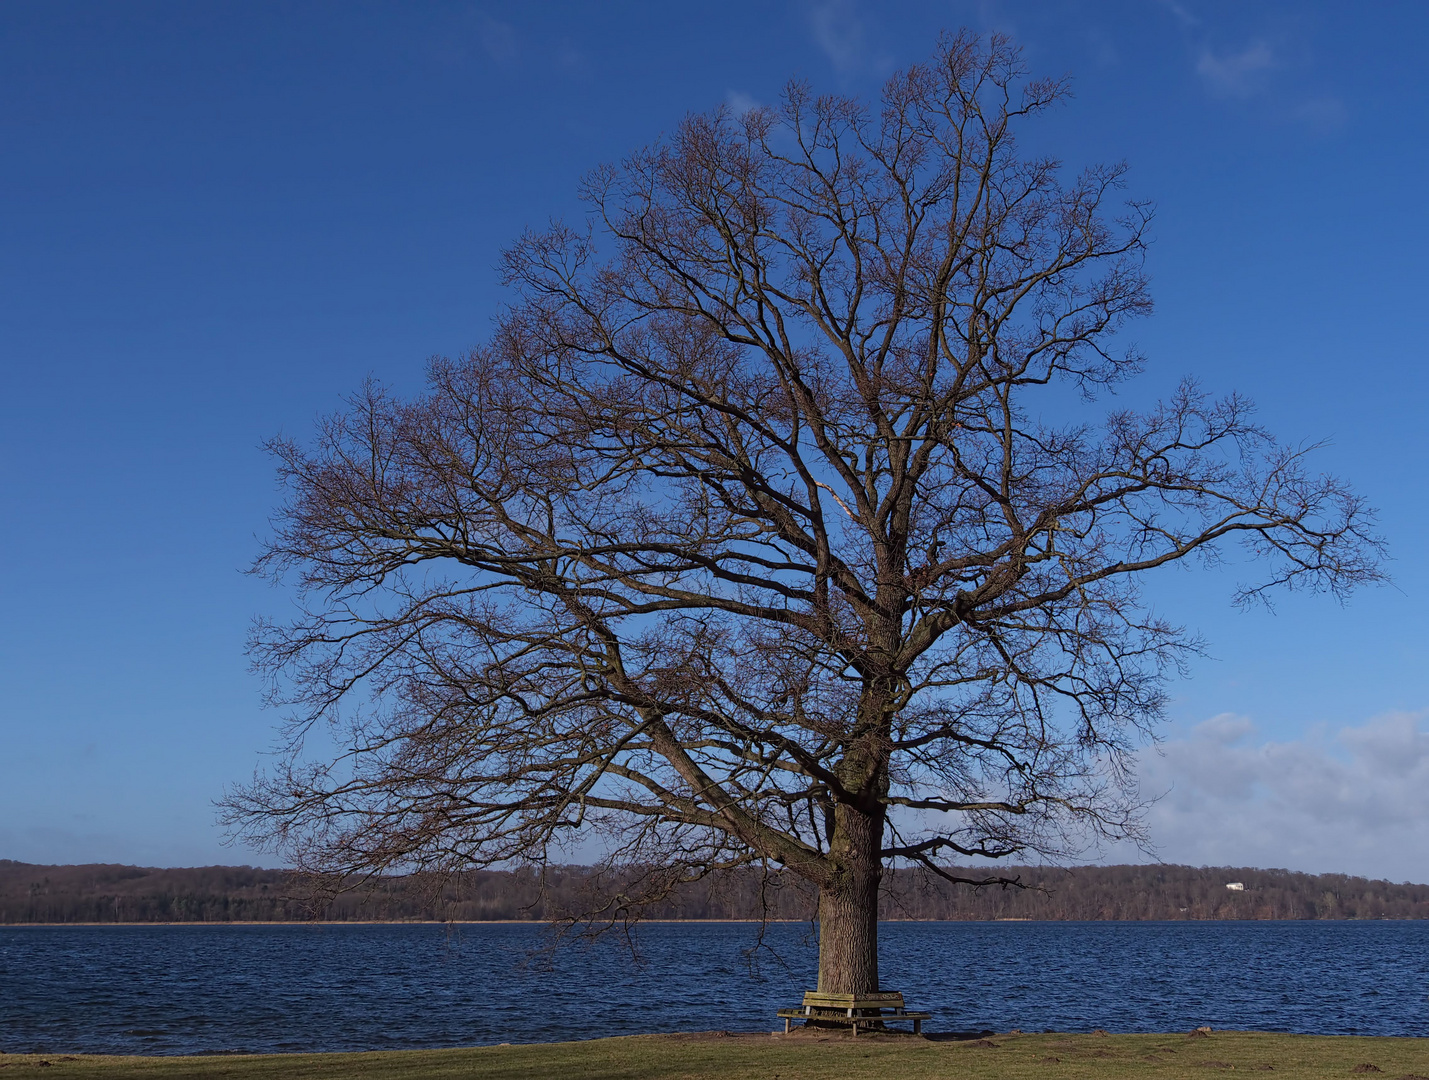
<point x="848" y="905"/>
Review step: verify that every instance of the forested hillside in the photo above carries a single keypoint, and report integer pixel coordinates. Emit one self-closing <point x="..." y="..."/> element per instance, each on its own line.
<point x="108" y="894"/>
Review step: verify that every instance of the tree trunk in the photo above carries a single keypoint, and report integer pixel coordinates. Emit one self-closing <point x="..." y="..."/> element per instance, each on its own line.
<point x="848" y="905"/>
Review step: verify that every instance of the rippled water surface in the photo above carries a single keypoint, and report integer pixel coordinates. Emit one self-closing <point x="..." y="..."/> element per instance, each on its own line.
<point x="214" y="989"/>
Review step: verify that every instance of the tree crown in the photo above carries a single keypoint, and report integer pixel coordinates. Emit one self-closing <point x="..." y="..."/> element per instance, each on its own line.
<point x="756" y="509"/>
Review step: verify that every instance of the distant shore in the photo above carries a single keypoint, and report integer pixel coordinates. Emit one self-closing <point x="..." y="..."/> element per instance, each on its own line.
<point x="32" y="894"/>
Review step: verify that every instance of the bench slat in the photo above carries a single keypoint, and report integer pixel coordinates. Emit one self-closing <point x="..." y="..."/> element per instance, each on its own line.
<point x="882" y="999"/>
<point x="840" y="1018"/>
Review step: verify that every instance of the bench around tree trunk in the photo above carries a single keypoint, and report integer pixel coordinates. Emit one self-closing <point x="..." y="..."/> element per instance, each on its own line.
<point x="853" y="1010"/>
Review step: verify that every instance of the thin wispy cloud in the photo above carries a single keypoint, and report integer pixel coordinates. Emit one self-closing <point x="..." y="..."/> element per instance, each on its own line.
<point x="1323" y="113"/>
<point x="498" y="40"/>
<point x="1263" y="74"/>
<point x="1181" y="12"/>
<point x="1239" y="74"/>
<point x="1102" y="47"/>
<point x="838" y="31"/>
<point x="1272" y="71"/>
<point x="740" y="103"/>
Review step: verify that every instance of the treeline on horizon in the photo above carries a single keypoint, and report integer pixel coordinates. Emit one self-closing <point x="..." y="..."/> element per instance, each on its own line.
<point x="218" y="894"/>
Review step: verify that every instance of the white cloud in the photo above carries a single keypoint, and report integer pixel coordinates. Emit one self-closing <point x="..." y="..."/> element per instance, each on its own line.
<point x="1354" y="802"/>
<point x="1182" y="13"/>
<point x="1102" y="47"/>
<point x="1237" y="74"/>
<point x="499" y="40"/>
<point x="740" y="103"/>
<point x="838" y="32"/>
<point x="1324" y="114"/>
<point x="1266" y="75"/>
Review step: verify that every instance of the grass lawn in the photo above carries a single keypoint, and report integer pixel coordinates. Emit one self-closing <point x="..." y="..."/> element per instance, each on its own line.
<point x="801" y="1056"/>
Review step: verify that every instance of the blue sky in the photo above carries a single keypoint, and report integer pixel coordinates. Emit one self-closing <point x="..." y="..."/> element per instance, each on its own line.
<point x="217" y="219"/>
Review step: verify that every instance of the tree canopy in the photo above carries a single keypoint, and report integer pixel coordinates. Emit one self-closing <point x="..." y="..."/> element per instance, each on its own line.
<point x="774" y="523"/>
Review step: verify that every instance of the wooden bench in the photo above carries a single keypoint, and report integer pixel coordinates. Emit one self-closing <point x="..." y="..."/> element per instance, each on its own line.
<point x="854" y="1010"/>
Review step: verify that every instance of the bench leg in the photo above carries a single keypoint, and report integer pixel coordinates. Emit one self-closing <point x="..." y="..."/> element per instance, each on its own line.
<point x="917" y="1027"/>
<point x="855" y="1029"/>
<point x="786" y="1025"/>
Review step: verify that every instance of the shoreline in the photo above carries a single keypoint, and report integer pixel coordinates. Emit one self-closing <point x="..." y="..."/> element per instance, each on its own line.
<point x="435" y="922"/>
<point x="665" y="922"/>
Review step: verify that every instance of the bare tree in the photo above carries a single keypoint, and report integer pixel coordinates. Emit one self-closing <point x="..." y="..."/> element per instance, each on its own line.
<point x="769" y="527"/>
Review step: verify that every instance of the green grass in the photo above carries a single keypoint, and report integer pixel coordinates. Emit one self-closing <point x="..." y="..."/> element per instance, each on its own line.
<point x="803" y="1056"/>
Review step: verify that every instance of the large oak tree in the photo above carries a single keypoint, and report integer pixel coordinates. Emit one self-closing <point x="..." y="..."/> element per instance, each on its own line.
<point x="772" y="525"/>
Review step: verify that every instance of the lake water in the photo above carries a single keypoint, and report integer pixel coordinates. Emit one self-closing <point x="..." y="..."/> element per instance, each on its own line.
<point x="216" y="989"/>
